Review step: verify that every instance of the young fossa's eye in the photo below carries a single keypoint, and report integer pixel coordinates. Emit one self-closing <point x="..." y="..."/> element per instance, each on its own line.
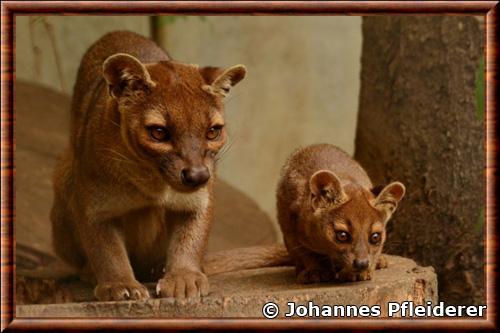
<point x="342" y="236"/>
<point x="375" y="238"/>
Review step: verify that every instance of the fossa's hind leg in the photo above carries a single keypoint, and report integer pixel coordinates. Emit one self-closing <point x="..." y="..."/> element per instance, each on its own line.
<point x="64" y="241"/>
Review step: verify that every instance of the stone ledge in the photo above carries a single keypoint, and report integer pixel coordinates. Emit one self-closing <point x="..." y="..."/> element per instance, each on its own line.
<point x="242" y="294"/>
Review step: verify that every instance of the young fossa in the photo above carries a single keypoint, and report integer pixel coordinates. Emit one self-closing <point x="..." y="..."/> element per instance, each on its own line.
<point x="332" y="218"/>
<point x="133" y="192"/>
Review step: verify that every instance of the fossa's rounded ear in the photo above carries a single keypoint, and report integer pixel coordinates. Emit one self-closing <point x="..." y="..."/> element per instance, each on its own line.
<point x="125" y="74"/>
<point x="220" y="82"/>
<point x="326" y="190"/>
<point x="388" y="199"/>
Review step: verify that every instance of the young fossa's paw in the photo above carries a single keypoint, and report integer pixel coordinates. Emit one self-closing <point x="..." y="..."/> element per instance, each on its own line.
<point x="183" y="284"/>
<point x="315" y="275"/>
<point x="120" y="291"/>
<point x="381" y="262"/>
<point x="349" y="276"/>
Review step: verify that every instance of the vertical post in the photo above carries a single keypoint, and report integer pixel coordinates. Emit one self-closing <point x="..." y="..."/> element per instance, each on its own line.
<point x="420" y="123"/>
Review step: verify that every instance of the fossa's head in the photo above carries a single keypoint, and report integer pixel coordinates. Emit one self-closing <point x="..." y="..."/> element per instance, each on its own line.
<point x="171" y="115"/>
<point x="349" y="222"/>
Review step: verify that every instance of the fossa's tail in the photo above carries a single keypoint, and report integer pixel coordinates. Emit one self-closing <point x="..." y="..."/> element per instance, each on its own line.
<point x="246" y="258"/>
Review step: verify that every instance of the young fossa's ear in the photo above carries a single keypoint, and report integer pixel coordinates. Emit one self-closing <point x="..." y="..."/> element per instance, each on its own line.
<point x="219" y="81"/>
<point x="326" y="190"/>
<point x="126" y="75"/>
<point x="389" y="197"/>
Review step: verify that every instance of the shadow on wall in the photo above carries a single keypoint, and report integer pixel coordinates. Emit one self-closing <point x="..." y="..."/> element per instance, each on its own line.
<point x="49" y="48"/>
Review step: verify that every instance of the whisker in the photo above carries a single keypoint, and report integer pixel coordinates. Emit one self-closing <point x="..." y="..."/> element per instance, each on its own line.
<point x="120" y="160"/>
<point x="118" y="154"/>
<point x="297" y="247"/>
<point x="114" y="123"/>
<point x="223" y="152"/>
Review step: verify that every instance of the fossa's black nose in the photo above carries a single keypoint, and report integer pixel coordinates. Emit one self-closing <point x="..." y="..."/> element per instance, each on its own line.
<point x="360" y="264"/>
<point x="195" y="176"/>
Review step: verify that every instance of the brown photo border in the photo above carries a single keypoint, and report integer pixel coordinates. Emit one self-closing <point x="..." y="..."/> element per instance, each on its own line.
<point x="12" y="8"/>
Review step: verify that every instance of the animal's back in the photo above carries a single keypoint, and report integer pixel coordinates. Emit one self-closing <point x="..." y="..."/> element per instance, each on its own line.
<point x="90" y="83"/>
<point x="304" y="162"/>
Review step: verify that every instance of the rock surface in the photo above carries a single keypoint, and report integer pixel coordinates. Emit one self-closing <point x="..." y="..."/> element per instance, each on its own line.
<point x="243" y="294"/>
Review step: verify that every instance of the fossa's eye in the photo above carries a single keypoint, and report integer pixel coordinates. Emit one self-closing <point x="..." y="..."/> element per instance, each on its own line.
<point x="342" y="236"/>
<point x="158" y="133"/>
<point x="214" y="132"/>
<point x="375" y="237"/>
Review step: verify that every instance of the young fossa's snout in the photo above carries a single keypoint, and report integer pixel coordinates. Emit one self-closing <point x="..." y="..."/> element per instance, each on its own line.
<point x="133" y="192"/>
<point x="333" y="219"/>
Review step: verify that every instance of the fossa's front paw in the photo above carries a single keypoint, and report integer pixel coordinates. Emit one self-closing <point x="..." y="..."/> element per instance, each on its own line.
<point x="315" y="275"/>
<point x="120" y="291"/>
<point x="182" y="284"/>
<point x="347" y="276"/>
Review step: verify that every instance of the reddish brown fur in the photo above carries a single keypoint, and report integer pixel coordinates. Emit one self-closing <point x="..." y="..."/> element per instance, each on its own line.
<point x="246" y="258"/>
<point x="122" y="210"/>
<point x="323" y="192"/>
